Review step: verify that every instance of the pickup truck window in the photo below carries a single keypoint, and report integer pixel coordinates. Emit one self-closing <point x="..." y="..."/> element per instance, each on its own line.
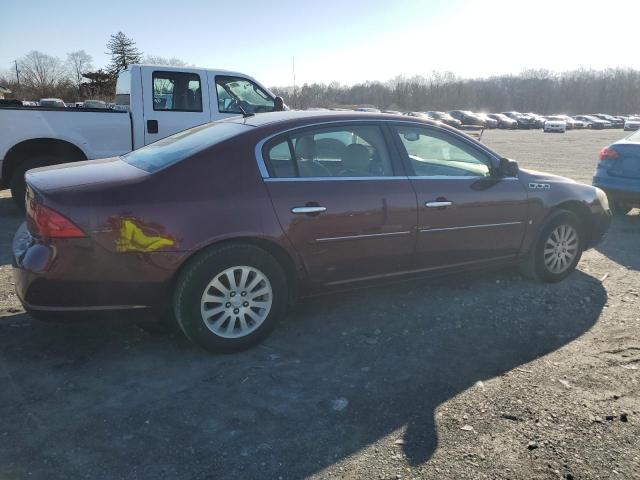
<point x="177" y="91"/>
<point x="181" y="145"/>
<point x="123" y="88"/>
<point x="236" y="94"/>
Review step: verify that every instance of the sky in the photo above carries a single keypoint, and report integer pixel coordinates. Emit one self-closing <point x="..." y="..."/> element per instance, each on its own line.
<point x="336" y="40"/>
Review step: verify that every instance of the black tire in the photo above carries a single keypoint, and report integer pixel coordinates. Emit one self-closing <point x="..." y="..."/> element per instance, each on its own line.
<point x="202" y="269"/>
<point x="618" y="208"/>
<point x="534" y="266"/>
<point x="17" y="182"/>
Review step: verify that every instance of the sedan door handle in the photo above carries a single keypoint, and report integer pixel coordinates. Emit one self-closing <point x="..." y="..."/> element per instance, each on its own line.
<point x="307" y="210"/>
<point x="438" y="204"/>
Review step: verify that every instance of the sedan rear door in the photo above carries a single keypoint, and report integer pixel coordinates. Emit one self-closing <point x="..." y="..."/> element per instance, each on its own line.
<point x="342" y="200"/>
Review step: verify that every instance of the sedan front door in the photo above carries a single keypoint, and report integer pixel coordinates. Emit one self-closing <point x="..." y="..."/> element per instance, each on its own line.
<point x="465" y="215"/>
<point x="341" y="201"/>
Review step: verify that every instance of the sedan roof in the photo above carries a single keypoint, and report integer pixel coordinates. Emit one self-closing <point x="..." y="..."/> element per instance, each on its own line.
<point x="295" y="117"/>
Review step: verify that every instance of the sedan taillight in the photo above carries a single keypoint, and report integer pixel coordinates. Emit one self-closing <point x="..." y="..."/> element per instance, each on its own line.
<point x="608" y="153"/>
<point x="46" y="222"/>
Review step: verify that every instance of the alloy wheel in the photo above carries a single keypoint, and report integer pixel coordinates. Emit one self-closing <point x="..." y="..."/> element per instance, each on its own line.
<point x="561" y="248"/>
<point x="236" y="302"/>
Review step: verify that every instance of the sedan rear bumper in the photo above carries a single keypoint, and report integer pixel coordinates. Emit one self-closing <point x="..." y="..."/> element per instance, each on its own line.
<point x="77" y="275"/>
<point x="618" y="186"/>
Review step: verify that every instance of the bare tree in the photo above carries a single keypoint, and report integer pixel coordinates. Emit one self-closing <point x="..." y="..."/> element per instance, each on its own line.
<point x="41" y="73"/>
<point x="123" y="52"/>
<point x="79" y="63"/>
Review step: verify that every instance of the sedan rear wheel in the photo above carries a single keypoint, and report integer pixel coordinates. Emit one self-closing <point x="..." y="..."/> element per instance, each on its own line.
<point x="557" y="250"/>
<point x="236" y="302"/>
<point x="229" y="297"/>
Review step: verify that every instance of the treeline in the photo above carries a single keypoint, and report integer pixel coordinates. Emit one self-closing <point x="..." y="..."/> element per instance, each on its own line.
<point x="37" y="75"/>
<point x="540" y="91"/>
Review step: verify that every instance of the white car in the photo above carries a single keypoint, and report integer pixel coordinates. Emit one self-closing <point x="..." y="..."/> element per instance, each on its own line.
<point x="632" y="123"/>
<point x="52" y="102"/>
<point x="555" y="124"/>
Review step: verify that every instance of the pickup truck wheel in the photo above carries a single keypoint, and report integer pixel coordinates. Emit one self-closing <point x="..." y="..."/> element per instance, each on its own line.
<point x="557" y="250"/>
<point x="230" y="297"/>
<point x="17" y="183"/>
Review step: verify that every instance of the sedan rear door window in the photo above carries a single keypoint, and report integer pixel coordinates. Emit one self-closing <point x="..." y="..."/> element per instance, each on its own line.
<point x="345" y="152"/>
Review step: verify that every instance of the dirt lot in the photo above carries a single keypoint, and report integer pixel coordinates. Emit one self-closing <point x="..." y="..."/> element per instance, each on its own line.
<point x="477" y="376"/>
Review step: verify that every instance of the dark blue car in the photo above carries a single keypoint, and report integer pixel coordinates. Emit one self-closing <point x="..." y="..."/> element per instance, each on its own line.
<point x="618" y="174"/>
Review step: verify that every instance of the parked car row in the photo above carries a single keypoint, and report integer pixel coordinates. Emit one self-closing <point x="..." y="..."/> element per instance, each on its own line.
<point x="56" y="103"/>
<point x="514" y="119"/>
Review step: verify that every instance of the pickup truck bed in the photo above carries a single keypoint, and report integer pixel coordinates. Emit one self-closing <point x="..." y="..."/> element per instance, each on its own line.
<point x="50" y="135"/>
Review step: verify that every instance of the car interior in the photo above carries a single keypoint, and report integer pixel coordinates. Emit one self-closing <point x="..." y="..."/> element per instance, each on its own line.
<point x="359" y="152"/>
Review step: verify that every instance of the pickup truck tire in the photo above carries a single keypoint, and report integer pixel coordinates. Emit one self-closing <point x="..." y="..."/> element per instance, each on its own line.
<point x="229" y="297"/>
<point x="17" y="182"/>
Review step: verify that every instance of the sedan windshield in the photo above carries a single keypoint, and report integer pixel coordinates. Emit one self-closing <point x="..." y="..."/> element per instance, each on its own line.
<point x="172" y="149"/>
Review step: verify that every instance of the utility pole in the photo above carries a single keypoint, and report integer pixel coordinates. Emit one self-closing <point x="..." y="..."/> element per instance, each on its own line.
<point x="17" y="72"/>
<point x="294" y="82"/>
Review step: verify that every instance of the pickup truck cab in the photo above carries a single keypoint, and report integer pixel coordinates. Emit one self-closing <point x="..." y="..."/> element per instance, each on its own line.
<point x="152" y="102"/>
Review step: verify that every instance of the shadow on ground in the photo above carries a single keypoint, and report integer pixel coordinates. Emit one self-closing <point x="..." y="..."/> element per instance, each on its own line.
<point x="621" y="244"/>
<point x="103" y="399"/>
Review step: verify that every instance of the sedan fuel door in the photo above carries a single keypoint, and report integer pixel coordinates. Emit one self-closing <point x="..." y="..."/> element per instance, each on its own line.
<point x="465" y="215"/>
<point x="341" y="201"/>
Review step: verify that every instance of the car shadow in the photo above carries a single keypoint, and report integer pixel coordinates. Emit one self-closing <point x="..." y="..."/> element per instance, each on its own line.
<point x="341" y="373"/>
<point x="621" y="243"/>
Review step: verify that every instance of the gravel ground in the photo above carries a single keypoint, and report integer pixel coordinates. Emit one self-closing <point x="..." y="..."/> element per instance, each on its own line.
<point x="478" y="376"/>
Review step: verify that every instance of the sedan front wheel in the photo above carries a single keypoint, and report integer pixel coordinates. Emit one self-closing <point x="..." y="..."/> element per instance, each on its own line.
<point x="557" y="250"/>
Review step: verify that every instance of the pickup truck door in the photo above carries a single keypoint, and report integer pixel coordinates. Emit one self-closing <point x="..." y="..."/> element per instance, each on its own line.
<point x="173" y="101"/>
<point x="230" y="94"/>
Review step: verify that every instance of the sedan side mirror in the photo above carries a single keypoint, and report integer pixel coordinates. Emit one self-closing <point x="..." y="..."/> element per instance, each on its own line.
<point x="508" y="168"/>
<point x="278" y="104"/>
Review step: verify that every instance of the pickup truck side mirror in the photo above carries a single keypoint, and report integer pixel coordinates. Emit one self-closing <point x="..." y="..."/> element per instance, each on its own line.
<point x="508" y="168"/>
<point x="278" y="104"/>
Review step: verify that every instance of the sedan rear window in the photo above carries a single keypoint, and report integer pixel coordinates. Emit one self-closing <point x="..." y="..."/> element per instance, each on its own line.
<point x="174" y="148"/>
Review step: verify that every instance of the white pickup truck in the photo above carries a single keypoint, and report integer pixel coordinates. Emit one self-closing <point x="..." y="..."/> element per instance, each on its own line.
<point x="152" y="102"/>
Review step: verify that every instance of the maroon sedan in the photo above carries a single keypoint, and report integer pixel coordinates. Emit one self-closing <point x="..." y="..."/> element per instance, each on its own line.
<point x="226" y="224"/>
